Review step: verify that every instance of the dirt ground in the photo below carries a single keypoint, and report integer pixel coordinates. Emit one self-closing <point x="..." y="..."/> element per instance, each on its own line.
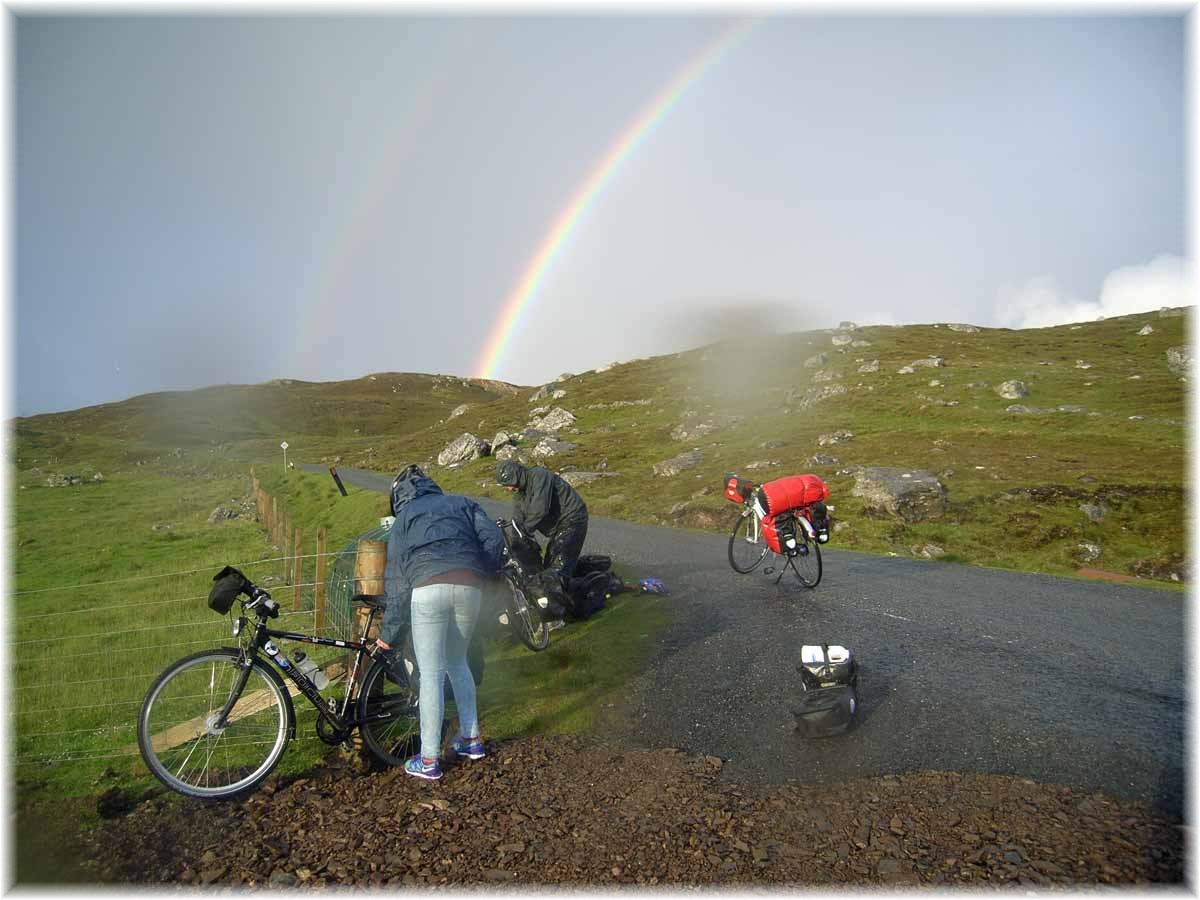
<point x="576" y="811"/>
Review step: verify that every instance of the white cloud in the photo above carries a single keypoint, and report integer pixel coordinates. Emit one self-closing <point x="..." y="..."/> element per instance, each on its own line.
<point x="1041" y="302"/>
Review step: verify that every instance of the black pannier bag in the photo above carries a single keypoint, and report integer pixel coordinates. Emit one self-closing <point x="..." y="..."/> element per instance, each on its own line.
<point x="819" y="516"/>
<point x="586" y="595"/>
<point x="592" y="562"/>
<point x="228" y="583"/>
<point x="829" y="677"/>
<point x="826" y="712"/>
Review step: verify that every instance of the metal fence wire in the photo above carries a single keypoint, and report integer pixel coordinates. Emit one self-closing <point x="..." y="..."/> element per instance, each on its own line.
<point x="82" y="657"/>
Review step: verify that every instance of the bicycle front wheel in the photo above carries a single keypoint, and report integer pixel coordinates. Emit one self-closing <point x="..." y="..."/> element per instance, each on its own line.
<point x="189" y="750"/>
<point x="523" y="618"/>
<point x="747" y="544"/>
<point x="808" y="562"/>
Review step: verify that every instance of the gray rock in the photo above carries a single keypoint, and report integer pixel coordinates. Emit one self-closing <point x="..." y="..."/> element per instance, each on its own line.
<point x="677" y="464"/>
<point x="1080" y="364"/>
<point x="577" y="478"/>
<point x="868" y="367"/>
<point x="1145" y="330"/>
<point x="1019" y="408"/>
<point x="508" y="451"/>
<point x="687" y="432"/>
<point x="1012" y="390"/>
<point x="860" y="344"/>
<point x="761" y="464"/>
<point x="929" y="362"/>
<point x="772" y="445"/>
<point x="816" y="395"/>
<point x="539" y="410"/>
<point x="459" y="410"/>
<point x="558" y="395"/>
<point x="1087" y="551"/>
<point x="905" y="370"/>
<point x="678" y="508"/>
<point x="834" y="437"/>
<point x="564" y="376"/>
<point x="1070" y="408"/>
<point x="1179" y="360"/>
<point x="463" y="448"/>
<point x="965" y="329"/>
<point x="502" y="439"/>
<point x="912" y="495"/>
<point x="221" y="514"/>
<point x="1092" y="511"/>
<point x="555" y="420"/>
<point x="847" y="326"/>
<point x="541" y="393"/>
<point x="823" y="459"/>
<point x="929" y="551"/>
<point x="550" y="447"/>
<point x="841" y="340"/>
<point x="815" y="362"/>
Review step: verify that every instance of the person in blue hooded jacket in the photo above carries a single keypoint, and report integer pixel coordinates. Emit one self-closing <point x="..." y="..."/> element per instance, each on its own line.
<point x="441" y="550"/>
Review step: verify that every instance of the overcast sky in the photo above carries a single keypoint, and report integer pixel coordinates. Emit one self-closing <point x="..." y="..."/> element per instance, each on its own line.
<point x="211" y="200"/>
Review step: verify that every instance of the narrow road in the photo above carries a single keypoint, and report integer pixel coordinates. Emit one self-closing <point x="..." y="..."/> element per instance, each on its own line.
<point x="963" y="669"/>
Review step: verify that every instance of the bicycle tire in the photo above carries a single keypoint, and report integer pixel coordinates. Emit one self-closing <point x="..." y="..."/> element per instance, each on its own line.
<point x="176" y="733"/>
<point x="808" y="564"/>
<point x="760" y="546"/>
<point x="393" y="740"/>
<point x="523" y="619"/>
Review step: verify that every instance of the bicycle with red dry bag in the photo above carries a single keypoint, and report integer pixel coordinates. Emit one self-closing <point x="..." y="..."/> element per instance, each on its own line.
<point x="787" y="517"/>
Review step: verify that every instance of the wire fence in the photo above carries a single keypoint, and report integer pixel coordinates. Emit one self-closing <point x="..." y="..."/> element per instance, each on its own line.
<point x="83" y="656"/>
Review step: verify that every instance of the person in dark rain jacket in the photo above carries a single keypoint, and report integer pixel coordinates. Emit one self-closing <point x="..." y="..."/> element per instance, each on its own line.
<point x="441" y="550"/>
<point x="544" y="502"/>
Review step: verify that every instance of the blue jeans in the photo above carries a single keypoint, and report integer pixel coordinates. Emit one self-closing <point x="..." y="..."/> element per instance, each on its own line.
<point x="443" y="617"/>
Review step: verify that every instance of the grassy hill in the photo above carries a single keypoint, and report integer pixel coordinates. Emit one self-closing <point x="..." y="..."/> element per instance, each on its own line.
<point x="1103" y="425"/>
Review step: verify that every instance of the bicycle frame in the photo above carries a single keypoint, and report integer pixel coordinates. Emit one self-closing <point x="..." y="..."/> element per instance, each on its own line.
<point x="263" y="640"/>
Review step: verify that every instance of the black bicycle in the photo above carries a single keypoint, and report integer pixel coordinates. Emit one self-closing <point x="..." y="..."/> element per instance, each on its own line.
<point x="214" y="724"/>
<point x="520" y="588"/>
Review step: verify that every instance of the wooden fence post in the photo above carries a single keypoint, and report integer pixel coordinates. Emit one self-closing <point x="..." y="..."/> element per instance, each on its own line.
<point x="297" y="571"/>
<point x="319" y="585"/>
<point x="285" y="545"/>
<point x="369" y="563"/>
<point x="271" y="526"/>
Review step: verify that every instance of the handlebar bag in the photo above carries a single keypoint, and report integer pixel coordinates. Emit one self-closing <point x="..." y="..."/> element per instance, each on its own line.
<point x="738" y="489"/>
<point x="228" y="583"/>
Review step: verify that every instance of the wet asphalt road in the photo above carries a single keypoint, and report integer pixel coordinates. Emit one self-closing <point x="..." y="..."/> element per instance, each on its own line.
<point x="962" y="668"/>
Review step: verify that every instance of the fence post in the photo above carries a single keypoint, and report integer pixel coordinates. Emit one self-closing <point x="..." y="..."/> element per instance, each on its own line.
<point x="285" y="543"/>
<point x="297" y="571"/>
<point x="271" y="527"/>
<point x="319" y="583"/>
<point x="369" y="563"/>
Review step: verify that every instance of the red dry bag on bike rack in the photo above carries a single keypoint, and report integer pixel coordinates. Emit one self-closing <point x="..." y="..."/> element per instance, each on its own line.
<point x="791" y="492"/>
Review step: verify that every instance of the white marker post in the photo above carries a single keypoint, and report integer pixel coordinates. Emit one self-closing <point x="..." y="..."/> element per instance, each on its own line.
<point x="284" y="446"/>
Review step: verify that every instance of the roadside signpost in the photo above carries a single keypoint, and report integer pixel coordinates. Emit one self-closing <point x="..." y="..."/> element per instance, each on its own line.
<point x="284" y="446"/>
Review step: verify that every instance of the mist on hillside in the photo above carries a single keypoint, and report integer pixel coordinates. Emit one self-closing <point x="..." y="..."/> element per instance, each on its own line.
<point x="739" y="337"/>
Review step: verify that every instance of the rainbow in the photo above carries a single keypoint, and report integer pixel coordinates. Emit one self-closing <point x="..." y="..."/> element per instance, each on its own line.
<point x="518" y="299"/>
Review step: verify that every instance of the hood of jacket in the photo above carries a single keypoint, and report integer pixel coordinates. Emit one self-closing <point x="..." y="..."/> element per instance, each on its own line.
<point x="511" y="472"/>
<point x="410" y="488"/>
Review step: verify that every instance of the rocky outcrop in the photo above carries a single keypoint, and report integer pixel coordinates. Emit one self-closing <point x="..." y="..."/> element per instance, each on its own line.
<point x="912" y="495"/>
<point x="551" y="447"/>
<point x="502" y="439"/>
<point x="463" y="448"/>
<point x="459" y="410"/>
<point x="553" y="421"/>
<point x="815" y="362"/>
<point x="688" y="431"/>
<point x="577" y="478"/>
<point x="869" y="367"/>
<point x="834" y="437"/>
<point x="1179" y="360"/>
<point x="965" y="329"/>
<point x="508" y="451"/>
<point x="677" y="464"/>
<point x="1012" y="390"/>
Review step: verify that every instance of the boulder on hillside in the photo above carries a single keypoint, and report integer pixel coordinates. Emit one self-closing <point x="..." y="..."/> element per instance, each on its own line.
<point x="677" y="464"/>
<point x="459" y="410"/>
<point x="841" y="340"/>
<point x="502" y="439"/>
<point x="509" y="451"/>
<point x="577" y="478"/>
<point x="815" y="395"/>
<point x="929" y="362"/>
<point x="463" y="448"/>
<point x="549" y="447"/>
<point x="912" y="495"/>
<point x="558" y="395"/>
<point x="1179" y="360"/>
<point x="1012" y="390"/>
<point x="542" y="393"/>
<point x="859" y="344"/>
<point x="555" y="420"/>
<point x="1146" y="329"/>
<point x="868" y="367"/>
<point x="815" y="362"/>
<point x="965" y="329"/>
<point x="685" y="431"/>
<point x="834" y="437"/>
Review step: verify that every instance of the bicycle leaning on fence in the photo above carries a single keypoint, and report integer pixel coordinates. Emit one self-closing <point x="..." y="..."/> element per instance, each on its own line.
<point x="215" y="723"/>
<point x="790" y="534"/>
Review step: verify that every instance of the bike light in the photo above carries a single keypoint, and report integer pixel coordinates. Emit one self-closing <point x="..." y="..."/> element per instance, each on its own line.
<point x="238" y="624"/>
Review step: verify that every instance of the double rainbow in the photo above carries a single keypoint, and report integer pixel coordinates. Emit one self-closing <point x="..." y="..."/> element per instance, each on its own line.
<point x="522" y="293"/>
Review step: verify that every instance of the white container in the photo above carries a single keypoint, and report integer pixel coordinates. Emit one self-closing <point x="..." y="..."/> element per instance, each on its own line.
<point x="311" y="670"/>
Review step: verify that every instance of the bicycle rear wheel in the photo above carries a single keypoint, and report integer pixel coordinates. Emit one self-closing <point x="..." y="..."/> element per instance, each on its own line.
<point x="808" y="561"/>
<point x="182" y="743"/>
<point x="523" y="618"/>
<point x="391" y="722"/>
<point x="747" y="543"/>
